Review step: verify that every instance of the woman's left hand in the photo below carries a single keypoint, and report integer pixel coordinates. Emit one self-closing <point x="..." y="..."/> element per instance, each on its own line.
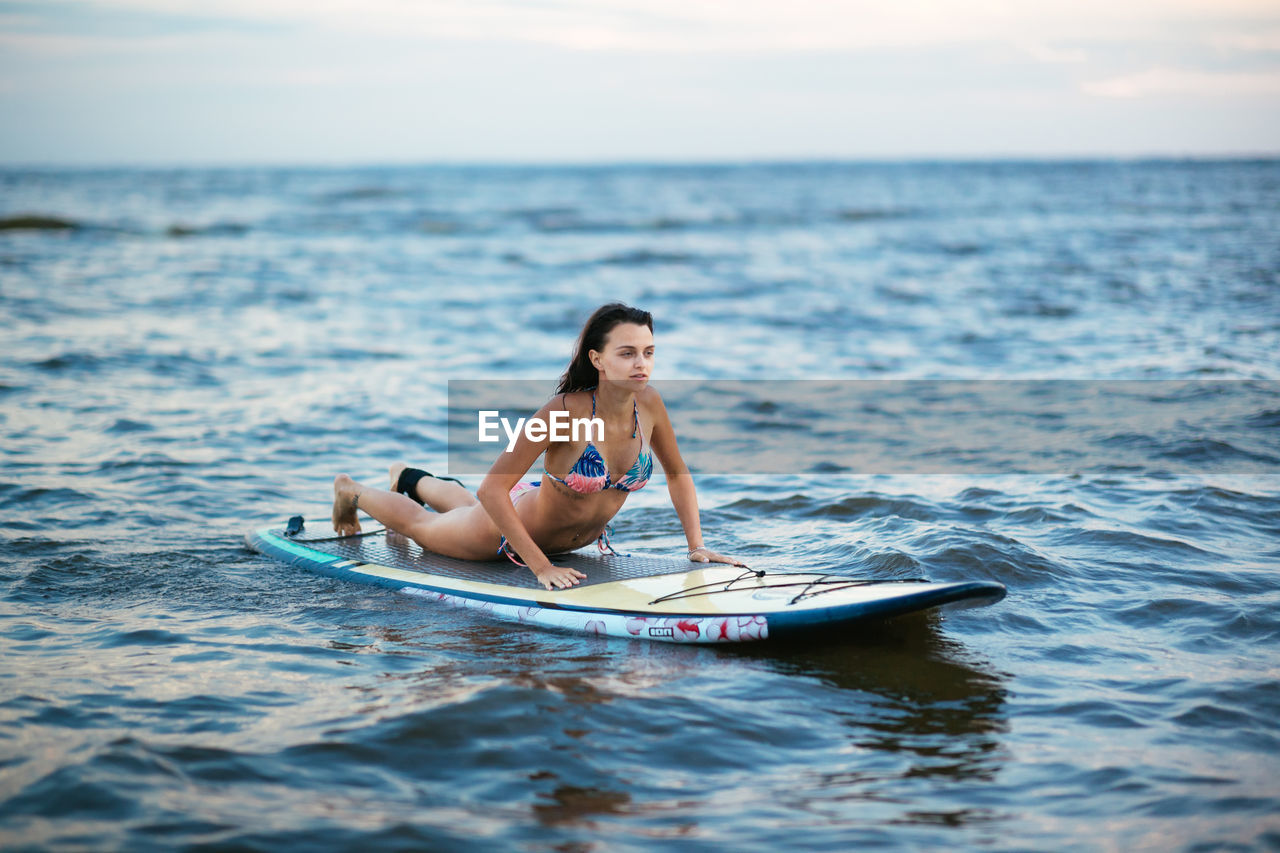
<point x="706" y="555"/>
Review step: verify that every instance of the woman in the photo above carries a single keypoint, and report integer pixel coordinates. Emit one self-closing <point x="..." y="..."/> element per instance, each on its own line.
<point x="608" y="378"/>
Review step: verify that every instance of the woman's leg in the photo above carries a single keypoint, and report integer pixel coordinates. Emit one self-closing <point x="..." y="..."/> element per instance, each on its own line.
<point x="465" y="532"/>
<point x="440" y="495"/>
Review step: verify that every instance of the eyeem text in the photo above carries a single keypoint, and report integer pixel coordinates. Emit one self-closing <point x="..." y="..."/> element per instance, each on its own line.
<point x="560" y="428"/>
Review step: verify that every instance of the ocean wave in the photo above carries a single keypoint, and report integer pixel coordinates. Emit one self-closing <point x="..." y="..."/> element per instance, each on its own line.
<point x="36" y="222"/>
<point x="650" y="257"/>
<point x="365" y="193"/>
<point x="60" y="224"/>
<point x="569" y="220"/>
<point x="217" y="229"/>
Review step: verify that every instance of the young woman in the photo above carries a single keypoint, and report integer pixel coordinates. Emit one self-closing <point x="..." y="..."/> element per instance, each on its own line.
<point x="608" y="378"/>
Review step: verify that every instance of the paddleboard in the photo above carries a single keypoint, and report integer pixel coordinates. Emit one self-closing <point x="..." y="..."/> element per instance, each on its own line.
<point x="634" y="596"/>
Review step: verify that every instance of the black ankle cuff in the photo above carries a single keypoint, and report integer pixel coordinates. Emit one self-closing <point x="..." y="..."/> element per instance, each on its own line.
<point x="407" y="484"/>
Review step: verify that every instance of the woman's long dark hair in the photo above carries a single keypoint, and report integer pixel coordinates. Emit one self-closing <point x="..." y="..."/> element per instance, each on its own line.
<point x="581" y="373"/>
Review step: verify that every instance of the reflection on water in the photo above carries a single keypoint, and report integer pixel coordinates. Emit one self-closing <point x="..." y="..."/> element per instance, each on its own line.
<point x="854" y="731"/>
<point x="918" y="709"/>
<point x="913" y="665"/>
<point x="574" y="805"/>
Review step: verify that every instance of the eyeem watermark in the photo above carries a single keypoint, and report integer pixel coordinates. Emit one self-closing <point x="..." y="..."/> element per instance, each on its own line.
<point x="560" y="428"/>
<point x="909" y="426"/>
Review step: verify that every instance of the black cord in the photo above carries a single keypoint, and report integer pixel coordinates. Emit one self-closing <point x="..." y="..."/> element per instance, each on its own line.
<point x="831" y="583"/>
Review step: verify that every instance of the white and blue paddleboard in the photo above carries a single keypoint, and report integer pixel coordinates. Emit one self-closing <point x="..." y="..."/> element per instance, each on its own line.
<point x="643" y="597"/>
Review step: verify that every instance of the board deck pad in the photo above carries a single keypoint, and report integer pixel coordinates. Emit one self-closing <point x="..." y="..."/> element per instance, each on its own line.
<point x="636" y="596"/>
<point x="377" y="546"/>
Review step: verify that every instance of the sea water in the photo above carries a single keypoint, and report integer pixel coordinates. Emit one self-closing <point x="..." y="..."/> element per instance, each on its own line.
<point x="185" y="354"/>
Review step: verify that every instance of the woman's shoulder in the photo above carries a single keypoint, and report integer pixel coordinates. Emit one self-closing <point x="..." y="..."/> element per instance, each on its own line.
<point x="570" y="401"/>
<point x="650" y="401"/>
<point x="648" y="395"/>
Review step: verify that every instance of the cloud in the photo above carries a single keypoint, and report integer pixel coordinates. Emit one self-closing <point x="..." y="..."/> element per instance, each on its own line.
<point x="1041" y="52"/>
<point x="708" y="26"/>
<point x="559" y="79"/>
<point x="56" y="45"/>
<point x="1175" y="81"/>
<point x="1267" y="41"/>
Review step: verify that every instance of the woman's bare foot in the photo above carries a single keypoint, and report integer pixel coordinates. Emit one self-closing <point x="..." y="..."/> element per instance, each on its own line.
<point x="396" y="468"/>
<point x="345" y="492"/>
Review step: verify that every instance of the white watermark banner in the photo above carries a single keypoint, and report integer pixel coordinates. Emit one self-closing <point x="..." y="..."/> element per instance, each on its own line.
<point x="912" y="426"/>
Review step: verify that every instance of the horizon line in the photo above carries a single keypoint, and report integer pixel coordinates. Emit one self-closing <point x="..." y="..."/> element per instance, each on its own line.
<point x="639" y="162"/>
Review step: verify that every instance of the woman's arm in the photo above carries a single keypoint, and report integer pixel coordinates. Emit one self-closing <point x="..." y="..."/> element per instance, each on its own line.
<point x="684" y="497"/>
<point x="494" y="495"/>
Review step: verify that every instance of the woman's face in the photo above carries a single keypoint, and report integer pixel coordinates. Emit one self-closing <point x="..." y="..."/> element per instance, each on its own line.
<point x="627" y="356"/>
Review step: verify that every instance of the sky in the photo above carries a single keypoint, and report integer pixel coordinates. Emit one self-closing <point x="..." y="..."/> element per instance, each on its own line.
<point x="204" y="82"/>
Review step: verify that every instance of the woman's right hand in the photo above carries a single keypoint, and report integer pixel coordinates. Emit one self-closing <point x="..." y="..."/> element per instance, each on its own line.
<point x="557" y="577"/>
<point x="703" y="554"/>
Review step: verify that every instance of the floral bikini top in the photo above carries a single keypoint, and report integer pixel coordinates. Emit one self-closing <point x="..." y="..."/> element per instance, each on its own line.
<point x="590" y="474"/>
